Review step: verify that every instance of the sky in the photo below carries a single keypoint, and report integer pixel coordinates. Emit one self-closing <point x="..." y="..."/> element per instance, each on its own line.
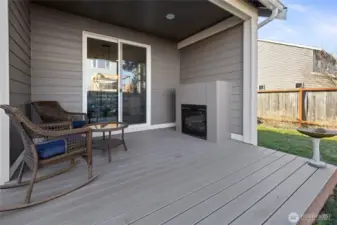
<point x="309" y="22"/>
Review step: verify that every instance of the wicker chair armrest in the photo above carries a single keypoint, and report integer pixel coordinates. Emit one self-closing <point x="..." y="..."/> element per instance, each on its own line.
<point x="52" y="133"/>
<point x="56" y="126"/>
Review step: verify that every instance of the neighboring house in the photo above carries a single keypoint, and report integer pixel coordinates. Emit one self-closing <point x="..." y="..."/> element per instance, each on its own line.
<point x="48" y="48"/>
<point x="285" y="66"/>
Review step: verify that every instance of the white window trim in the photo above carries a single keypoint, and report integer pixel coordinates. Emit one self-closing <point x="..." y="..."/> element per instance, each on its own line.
<point x="4" y="93"/>
<point x="85" y="36"/>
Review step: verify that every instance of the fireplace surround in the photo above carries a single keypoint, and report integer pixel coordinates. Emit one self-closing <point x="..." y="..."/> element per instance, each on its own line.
<point x="203" y="109"/>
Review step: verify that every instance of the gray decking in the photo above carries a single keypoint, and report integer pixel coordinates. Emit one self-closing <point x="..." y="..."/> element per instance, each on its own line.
<point x="173" y="179"/>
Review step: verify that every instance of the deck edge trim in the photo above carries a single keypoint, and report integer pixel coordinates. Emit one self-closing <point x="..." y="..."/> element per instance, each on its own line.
<point x="316" y="206"/>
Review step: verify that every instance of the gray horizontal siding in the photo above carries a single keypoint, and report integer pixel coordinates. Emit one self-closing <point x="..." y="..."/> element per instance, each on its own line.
<point x="282" y="66"/>
<point x="219" y="57"/>
<point x="57" y="60"/>
<point x="19" y="65"/>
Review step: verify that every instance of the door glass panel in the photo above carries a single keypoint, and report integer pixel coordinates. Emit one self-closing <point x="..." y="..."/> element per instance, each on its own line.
<point x="102" y="80"/>
<point x="134" y="84"/>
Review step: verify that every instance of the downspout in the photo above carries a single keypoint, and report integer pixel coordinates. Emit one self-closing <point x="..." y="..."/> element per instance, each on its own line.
<point x="269" y="19"/>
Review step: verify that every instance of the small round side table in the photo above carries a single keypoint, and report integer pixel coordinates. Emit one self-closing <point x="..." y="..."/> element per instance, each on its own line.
<point x="110" y="127"/>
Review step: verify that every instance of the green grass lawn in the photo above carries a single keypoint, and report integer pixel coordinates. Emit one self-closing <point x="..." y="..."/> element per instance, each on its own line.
<point x="330" y="208"/>
<point x="291" y="141"/>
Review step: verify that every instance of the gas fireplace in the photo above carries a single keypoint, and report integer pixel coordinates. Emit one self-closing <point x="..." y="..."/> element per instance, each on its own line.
<point x="194" y="120"/>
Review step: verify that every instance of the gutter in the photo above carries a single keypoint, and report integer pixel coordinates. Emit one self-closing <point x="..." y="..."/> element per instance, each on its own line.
<point x="269" y="19"/>
<point x="279" y="11"/>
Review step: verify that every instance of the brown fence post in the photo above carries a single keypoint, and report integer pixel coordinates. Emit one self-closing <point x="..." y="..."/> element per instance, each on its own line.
<point x="300" y="106"/>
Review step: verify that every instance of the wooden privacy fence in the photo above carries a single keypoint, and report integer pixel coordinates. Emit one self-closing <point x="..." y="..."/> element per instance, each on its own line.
<point x="310" y="106"/>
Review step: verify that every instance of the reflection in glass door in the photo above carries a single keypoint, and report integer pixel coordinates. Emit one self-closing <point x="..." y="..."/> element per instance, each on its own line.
<point x="102" y="80"/>
<point x="133" y="79"/>
<point x="115" y="80"/>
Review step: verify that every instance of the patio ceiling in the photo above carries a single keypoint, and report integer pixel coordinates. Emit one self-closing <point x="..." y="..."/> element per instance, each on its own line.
<point x="191" y="17"/>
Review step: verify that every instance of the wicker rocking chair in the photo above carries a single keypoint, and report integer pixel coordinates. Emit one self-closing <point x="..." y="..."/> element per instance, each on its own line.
<point x="52" y="112"/>
<point x="45" y="145"/>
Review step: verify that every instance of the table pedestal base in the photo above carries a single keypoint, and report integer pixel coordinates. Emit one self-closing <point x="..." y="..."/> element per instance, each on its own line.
<point x="316" y="157"/>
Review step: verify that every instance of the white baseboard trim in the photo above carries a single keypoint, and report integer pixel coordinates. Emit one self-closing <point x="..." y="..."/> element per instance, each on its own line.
<point x="137" y="128"/>
<point x="237" y="137"/>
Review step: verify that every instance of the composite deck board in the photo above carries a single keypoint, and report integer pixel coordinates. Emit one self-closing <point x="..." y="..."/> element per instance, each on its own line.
<point x="169" y="178"/>
<point x="67" y="178"/>
<point x="163" y="195"/>
<point x="143" y="159"/>
<point x="192" y="211"/>
<point x="302" y="198"/>
<point x="229" y="211"/>
<point x="183" y="192"/>
<point x="268" y="204"/>
<point x="145" y="164"/>
<point x="86" y="195"/>
<point x="144" y="187"/>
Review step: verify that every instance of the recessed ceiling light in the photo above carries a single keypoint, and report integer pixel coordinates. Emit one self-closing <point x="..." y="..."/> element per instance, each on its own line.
<point x="170" y="16"/>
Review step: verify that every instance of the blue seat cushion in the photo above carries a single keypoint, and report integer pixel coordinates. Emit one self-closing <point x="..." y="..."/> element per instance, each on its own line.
<point x="49" y="149"/>
<point x="78" y="123"/>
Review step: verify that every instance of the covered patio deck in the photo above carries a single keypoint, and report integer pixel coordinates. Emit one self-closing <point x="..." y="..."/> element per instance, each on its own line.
<point x="170" y="178"/>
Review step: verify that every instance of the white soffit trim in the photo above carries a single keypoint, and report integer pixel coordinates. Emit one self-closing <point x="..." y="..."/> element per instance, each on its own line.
<point x="223" y="25"/>
<point x="271" y="4"/>
<point x="4" y="93"/>
<point x="238" y="8"/>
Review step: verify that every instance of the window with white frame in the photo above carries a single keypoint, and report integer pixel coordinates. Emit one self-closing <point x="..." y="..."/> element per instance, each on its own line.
<point x="262" y="87"/>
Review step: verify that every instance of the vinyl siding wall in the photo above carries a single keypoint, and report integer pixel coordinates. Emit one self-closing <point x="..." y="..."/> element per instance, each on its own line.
<point x="19" y="65"/>
<point x="57" y="60"/>
<point x="281" y="67"/>
<point x="219" y="57"/>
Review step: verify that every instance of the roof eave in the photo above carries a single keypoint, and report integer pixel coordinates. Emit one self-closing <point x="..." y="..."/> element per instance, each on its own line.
<point x="270" y="5"/>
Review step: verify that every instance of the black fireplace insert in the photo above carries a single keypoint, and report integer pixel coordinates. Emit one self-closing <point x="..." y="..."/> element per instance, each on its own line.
<point x="194" y="120"/>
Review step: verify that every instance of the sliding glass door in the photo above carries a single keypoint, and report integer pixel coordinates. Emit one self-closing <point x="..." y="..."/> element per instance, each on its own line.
<point x="102" y="80"/>
<point x="134" y="84"/>
<point x="115" y="81"/>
